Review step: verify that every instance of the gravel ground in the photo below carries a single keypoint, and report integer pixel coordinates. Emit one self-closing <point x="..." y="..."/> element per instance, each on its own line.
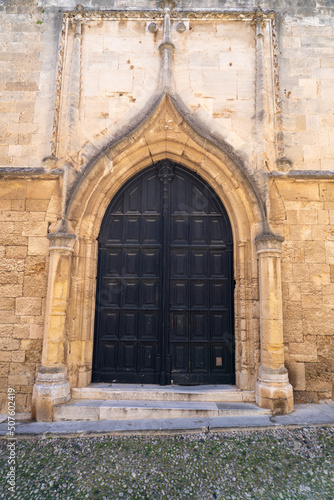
<point x="271" y="464"/>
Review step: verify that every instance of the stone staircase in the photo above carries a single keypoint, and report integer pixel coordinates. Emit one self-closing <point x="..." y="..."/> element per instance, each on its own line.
<point x="135" y="402"/>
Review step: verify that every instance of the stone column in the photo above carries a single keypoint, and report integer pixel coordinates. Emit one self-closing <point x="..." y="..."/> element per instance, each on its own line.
<point x="273" y="389"/>
<point x="166" y="49"/>
<point x="52" y="385"/>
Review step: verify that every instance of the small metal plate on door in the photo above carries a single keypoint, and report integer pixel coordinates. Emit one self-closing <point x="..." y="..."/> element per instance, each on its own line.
<point x="219" y="361"/>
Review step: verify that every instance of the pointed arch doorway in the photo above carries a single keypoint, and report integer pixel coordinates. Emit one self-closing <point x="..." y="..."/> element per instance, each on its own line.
<point x="164" y="302"/>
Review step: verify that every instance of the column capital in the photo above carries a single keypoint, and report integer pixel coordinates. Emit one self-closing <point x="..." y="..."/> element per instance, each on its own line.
<point x="268" y="242"/>
<point x="61" y="241"/>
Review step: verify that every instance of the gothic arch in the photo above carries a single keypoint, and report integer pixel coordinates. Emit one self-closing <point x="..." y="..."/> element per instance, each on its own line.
<point x="164" y="135"/>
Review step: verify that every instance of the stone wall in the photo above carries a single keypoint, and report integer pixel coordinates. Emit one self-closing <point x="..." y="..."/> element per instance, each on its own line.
<point x="73" y="91"/>
<point x="308" y="282"/>
<point x="28" y="208"/>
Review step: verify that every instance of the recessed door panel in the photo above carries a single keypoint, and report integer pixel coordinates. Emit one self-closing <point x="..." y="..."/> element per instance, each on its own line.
<point x="164" y="307"/>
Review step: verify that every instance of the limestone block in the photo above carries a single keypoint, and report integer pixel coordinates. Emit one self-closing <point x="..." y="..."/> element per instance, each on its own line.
<point x="315" y="251"/>
<point x="13" y="190"/>
<point x="301" y="273"/>
<point x="328" y="294"/>
<point x="301" y="232"/>
<point x="329" y="245"/>
<point x="319" y="273"/>
<point x="323" y="232"/>
<point x="40" y="190"/>
<point x="4" y="369"/>
<point x="16" y="252"/>
<point x="33" y="228"/>
<point x="6" y="330"/>
<point x="28" y="306"/>
<point x="21" y="331"/>
<point x="323" y="217"/>
<point x="297" y="376"/>
<point x="8" y="317"/>
<point x="7" y="304"/>
<point x="215" y="83"/>
<point x="7" y="344"/>
<point x="319" y="376"/>
<point x="307" y="217"/>
<point x="325" y="348"/>
<point x="315" y="322"/>
<point x="38" y="245"/>
<point x="293" y="330"/>
<point x="303" y="352"/>
<point x="332" y="273"/>
<point x="36" y="332"/>
<point x="292" y="251"/>
<point x="11" y="291"/>
<point x="34" y="286"/>
<point x="37" y="205"/>
<point x="18" y="356"/>
<point x="15" y="380"/>
<point x="306" y="397"/>
<point x="10" y="278"/>
<point x="294" y="291"/>
<point x="6" y="356"/>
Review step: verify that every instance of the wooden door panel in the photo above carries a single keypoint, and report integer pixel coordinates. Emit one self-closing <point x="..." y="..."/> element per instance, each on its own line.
<point x="164" y="308"/>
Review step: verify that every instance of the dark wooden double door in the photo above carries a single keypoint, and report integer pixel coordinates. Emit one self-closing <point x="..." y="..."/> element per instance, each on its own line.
<point x="164" y="308"/>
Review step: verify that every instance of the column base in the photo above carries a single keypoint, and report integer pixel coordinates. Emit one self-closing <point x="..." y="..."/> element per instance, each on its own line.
<point x="273" y="391"/>
<point x="51" y="387"/>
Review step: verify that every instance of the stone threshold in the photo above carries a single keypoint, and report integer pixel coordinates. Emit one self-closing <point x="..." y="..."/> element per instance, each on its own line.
<point x="150" y="392"/>
<point x="95" y="410"/>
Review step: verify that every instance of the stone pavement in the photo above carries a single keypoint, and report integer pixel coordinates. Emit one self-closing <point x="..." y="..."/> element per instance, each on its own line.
<point x="304" y="415"/>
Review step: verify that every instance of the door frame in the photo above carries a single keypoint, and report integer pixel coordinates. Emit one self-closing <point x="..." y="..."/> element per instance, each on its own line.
<point x="166" y="170"/>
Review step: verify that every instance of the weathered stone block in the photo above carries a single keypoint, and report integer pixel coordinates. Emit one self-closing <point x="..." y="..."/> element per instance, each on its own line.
<point x="303" y="352"/>
<point x="28" y="306"/>
<point x="16" y="252"/>
<point x="319" y="376"/>
<point x="21" y="331"/>
<point x="318" y="321"/>
<point x="297" y="376"/>
<point x="18" y="356"/>
<point x="11" y="291"/>
<point x="34" y="286"/>
<point x="293" y="330"/>
<point x="38" y="245"/>
<point x="7" y="304"/>
<point x="315" y="251"/>
<point x="9" y="344"/>
<point x="36" y="332"/>
<point x="33" y="228"/>
<point x="306" y="397"/>
<point x="15" y="380"/>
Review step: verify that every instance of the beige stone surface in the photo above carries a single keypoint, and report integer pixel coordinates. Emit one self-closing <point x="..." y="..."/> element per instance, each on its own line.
<point x="254" y="99"/>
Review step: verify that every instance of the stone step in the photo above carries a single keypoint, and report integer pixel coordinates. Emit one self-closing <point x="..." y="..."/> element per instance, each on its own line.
<point x="139" y="409"/>
<point x="128" y="392"/>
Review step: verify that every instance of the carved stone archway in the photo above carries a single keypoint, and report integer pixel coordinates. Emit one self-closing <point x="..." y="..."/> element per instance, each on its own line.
<point x="165" y="134"/>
